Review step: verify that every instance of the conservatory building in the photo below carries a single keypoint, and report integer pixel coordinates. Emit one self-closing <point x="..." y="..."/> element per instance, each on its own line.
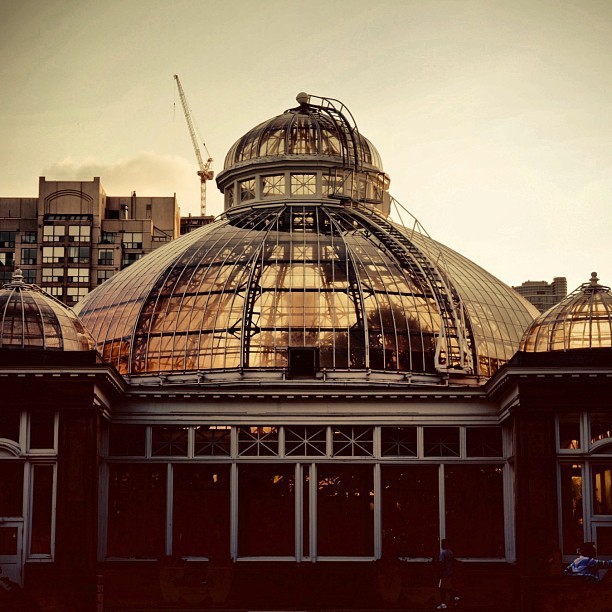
<point x="292" y="405"/>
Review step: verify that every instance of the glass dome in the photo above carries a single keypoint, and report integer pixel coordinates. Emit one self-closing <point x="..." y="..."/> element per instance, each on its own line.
<point x="583" y="320"/>
<point x="250" y="291"/>
<point x="33" y="319"/>
<point x="308" y="130"/>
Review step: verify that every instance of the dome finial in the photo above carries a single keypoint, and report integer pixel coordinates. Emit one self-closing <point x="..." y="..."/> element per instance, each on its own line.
<point x="17" y="277"/>
<point x="594" y="279"/>
<point x="303" y="98"/>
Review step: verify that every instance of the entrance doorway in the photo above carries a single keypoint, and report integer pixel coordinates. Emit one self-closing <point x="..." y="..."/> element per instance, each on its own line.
<point x="11" y="550"/>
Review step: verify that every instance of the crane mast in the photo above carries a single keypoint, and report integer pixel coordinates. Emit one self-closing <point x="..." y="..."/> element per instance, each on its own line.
<point x="205" y="171"/>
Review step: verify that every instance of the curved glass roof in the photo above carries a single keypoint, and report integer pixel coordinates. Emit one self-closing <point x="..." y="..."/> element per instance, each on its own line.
<point x="306" y="130"/>
<point x="33" y="319"/>
<point x="583" y="320"/>
<point x="241" y="293"/>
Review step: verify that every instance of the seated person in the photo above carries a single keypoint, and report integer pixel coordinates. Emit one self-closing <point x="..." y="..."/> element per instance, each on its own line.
<point x="587" y="566"/>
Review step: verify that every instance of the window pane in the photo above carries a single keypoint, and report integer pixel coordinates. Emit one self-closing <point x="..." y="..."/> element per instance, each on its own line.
<point x="571" y="507"/>
<point x="201" y="516"/>
<point x="266" y="512"/>
<point x="136" y="510"/>
<point x="353" y="441"/>
<point x="258" y="441"/>
<point x="602" y="488"/>
<point x="569" y="431"/>
<point x="127" y="440"/>
<point x="345" y="510"/>
<point x="484" y="442"/>
<point x="601" y="426"/>
<point x="474" y="496"/>
<point x="212" y="440"/>
<point x="42" y="429"/>
<point x="11" y="477"/>
<point x="9" y="425"/>
<point x="410" y="511"/>
<point x="169" y="441"/>
<point x="399" y="441"/>
<point x="441" y="441"/>
<point x="42" y="502"/>
<point x="305" y="441"/>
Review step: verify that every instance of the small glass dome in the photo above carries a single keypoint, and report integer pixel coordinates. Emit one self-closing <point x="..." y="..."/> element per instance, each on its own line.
<point x="583" y="320"/>
<point x="310" y="130"/>
<point x="33" y="319"/>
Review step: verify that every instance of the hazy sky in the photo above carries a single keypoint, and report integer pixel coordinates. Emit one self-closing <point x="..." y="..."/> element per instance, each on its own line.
<point x="493" y="118"/>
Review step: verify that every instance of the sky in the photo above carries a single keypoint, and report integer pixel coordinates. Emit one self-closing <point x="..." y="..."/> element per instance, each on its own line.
<point x="492" y="117"/>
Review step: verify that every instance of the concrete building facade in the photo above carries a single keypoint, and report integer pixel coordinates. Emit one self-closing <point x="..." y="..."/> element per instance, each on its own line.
<point x="543" y="295"/>
<point x="73" y="236"/>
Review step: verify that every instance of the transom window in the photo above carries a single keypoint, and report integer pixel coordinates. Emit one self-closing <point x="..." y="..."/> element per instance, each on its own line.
<point x="273" y="185"/>
<point x="303" y="184"/>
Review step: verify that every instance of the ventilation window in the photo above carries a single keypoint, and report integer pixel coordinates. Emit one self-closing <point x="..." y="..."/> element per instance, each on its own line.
<point x="303" y="362"/>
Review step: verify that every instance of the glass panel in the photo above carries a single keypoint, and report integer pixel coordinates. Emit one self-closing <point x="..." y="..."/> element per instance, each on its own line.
<point x="212" y="440"/>
<point x="441" y="441"/>
<point x="571" y="507"/>
<point x="303" y="184"/>
<point x="9" y="424"/>
<point x="258" y="441"/>
<point x="136" y="510"/>
<point x="399" y="441"/>
<point x="42" y="510"/>
<point x="604" y="540"/>
<point x="602" y="488"/>
<point x="410" y="510"/>
<point x="9" y="541"/>
<point x="484" y="442"/>
<point x="266" y="510"/>
<point x="201" y="515"/>
<point x="42" y="429"/>
<point x="273" y="185"/>
<point x="11" y="477"/>
<point x="474" y="495"/>
<point x="353" y="441"/>
<point x="601" y="426"/>
<point x="569" y="431"/>
<point x="169" y="440"/>
<point x="247" y="190"/>
<point x="305" y="441"/>
<point x="127" y="440"/>
<point x="345" y="510"/>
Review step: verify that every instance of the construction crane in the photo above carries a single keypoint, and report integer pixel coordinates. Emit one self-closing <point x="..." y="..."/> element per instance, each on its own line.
<point x="205" y="171"/>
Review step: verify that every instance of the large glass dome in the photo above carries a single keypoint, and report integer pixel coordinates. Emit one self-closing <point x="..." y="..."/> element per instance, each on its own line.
<point x="305" y="274"/>
<point x="583" y="320"/>
<point x="33" y="319"/>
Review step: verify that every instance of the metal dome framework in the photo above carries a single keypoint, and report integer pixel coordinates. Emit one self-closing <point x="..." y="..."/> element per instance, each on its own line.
<point x="583" y="320"/>
<point x="33" y="319"/>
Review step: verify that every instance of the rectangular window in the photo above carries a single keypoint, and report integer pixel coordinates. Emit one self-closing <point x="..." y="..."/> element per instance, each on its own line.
<point x="484" y="442"/>
<point x="11" y="498"/>
<point x="77" y="275"/>
<point x="137" y="510"/>
<point x="78" y="254"/>
<point x="410" y="510"/>
<point x="247" y="190"/>
<point x="126" y="440"/>
<point x="54" y="233"/>
<point x="132" y="240"/>
<point x="201" y="511"/>
<point x="441" y="441"/>
<point x="74" y="294"/>
<point x="212" y="440"/>
<point x="10" y="425"/>
<point x="345" y="510"/>
<point x="601" y="426"/>
<point x="266" y="512"/>
<point x="29" y="276"/>
<point x="28" y="257"/>
<point x="571" y="507"/>
<point x="305" y="441"/>
<point x="602" y="488"/>
<point x="303" y="184"/>
<point x="104" y="275"/>
<point x="474" y="495"/>
<point x="105" y="257"/>
<point x="57" y="292"/>
<point x="107" y="237"/>
<point x="28" y="238"/>
<point x="273" y="185"/>
<point x="127" y="259"/>
<point x="79" y="233"/>
<point x="399" y="441"/>
<point x="52" y="275"/>
<point x="569" y="431"/>
<point x="7" y="259"/>
<point x="258" y="441"/>
<point x="42" y="429"/>
<point x="53" y="254"/>
<point x="7" y="239"/>
<point x="353" y="441"/>
<point x="169" y="441"/>
<point x="42" y="510"/>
